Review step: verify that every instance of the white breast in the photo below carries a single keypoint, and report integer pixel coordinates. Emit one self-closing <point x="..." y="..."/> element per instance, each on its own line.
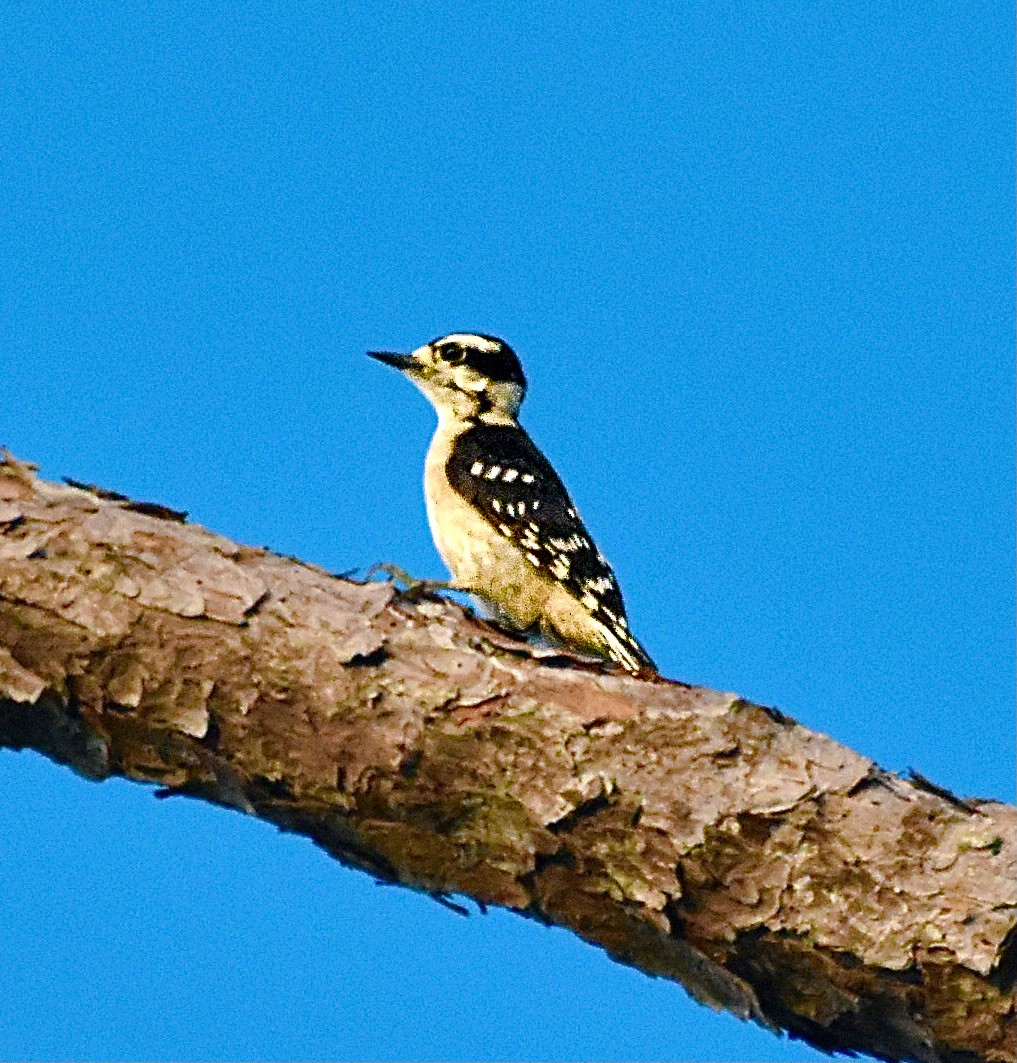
<point x="479" y="559"/>
<point x="460" y="533"/>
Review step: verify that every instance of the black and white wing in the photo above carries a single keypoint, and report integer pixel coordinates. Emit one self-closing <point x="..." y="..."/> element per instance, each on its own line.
<point x="504" y="476"/>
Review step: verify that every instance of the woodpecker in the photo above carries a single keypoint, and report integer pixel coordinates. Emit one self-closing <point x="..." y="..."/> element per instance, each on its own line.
<point x="501" y="518"/>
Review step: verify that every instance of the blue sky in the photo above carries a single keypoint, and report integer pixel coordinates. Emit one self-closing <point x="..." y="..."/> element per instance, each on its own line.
<point x="758" y="261"/>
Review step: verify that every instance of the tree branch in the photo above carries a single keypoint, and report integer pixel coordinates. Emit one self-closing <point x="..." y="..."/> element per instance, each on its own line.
<point x="691" y="834"/>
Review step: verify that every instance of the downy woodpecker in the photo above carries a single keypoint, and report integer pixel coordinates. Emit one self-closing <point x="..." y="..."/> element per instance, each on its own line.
<point x="500" y="516"/>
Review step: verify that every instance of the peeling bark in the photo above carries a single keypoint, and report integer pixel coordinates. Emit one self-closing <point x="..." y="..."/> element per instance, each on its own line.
<point x="690" y="833"/>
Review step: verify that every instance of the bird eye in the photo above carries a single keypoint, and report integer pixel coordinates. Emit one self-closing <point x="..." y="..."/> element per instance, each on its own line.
<point x="451" y="352"/>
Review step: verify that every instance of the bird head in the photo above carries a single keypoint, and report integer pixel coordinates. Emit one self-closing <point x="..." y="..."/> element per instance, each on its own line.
<point x="465" y="374"/>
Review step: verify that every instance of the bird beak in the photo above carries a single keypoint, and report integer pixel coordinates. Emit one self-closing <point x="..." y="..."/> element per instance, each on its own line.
<point x="406" y="363"/>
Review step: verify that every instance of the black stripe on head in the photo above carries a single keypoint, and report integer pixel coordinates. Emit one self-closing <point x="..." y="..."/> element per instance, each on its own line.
<point x="488" y="355"/>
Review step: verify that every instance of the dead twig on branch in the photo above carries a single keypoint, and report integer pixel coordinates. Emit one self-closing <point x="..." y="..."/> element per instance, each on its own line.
<point x="693" y="835"/>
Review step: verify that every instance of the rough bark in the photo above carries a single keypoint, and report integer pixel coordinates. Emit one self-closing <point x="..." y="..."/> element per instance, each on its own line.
<point x="691" y="834"/>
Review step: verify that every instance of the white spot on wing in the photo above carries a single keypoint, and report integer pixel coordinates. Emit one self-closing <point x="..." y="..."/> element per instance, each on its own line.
<point x="477" y="468"/>
<point x="493" y="473"/>
<point x="618" y="650"/>
<point x="510" y="475"/>
<point x="600" y="584"/>
<point x="527" y="477"/>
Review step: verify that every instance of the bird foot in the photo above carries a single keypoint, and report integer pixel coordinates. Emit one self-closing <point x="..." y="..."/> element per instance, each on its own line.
<point x="413" y="589"/>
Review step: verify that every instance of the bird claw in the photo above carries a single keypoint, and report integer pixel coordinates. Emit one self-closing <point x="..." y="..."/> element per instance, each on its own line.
<point x="413" y="589"/>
